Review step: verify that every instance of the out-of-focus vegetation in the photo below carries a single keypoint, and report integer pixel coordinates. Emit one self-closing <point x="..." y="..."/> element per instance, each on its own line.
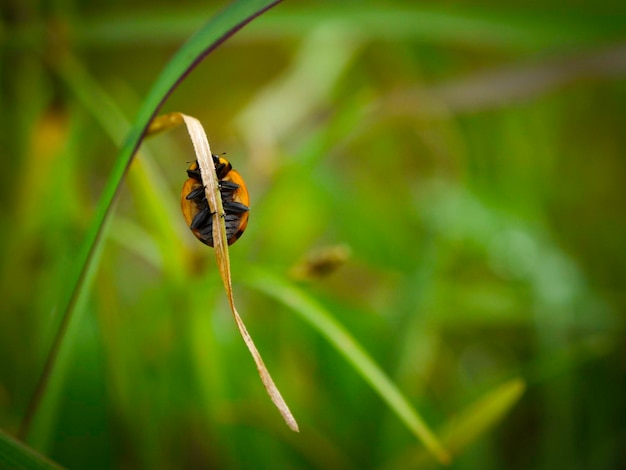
<point x="461" y="165"/>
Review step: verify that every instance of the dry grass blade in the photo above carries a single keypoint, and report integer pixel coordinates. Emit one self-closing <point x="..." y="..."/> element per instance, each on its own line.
<point x="209" y="177"/>
<point x="207" y="170"/>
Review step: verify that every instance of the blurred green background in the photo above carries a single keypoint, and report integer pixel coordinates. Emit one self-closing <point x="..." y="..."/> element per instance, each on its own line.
<point x="468" y="156"/>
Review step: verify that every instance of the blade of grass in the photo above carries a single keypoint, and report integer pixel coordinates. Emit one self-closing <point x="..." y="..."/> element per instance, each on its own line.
<point x="216" y="31"/>
<point x="352" y="351"/>
<point x="209" y="177"/>
<point x="468" y="426"/>
<point x="14" y="454"/>
<point x="495" y="28"/>
<point x="482" y="415"/>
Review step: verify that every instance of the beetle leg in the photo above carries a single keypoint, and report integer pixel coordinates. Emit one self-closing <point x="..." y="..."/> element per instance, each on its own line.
<point x="196" y="193"/>
<point x="228" y="186"/>
<point x="201" y="218"/>
<point x="235" y="207"/>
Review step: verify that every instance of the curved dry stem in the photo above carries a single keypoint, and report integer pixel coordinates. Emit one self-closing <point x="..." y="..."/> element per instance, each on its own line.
<point x="209" y="177"/>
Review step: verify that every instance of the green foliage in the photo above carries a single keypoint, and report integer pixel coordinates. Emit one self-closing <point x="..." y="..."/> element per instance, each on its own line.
<point x="13" y="454"/>
<point x="470" y="157"/>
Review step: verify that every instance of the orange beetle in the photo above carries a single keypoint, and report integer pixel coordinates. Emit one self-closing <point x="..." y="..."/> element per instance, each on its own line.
<point x="235" y="200"/>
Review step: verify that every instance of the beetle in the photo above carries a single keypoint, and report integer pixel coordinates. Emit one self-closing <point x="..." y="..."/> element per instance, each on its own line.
<point x="235" y="200"/>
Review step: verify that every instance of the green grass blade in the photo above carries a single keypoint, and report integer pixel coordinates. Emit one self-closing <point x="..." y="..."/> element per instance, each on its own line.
<point x="468" y="426"/>
<point x="500" y="28"/>
<point x="354" y="353"/>
<point x="217" y="30"/>
<point x="14" y="454"/>
<point x="482" y="415"/>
